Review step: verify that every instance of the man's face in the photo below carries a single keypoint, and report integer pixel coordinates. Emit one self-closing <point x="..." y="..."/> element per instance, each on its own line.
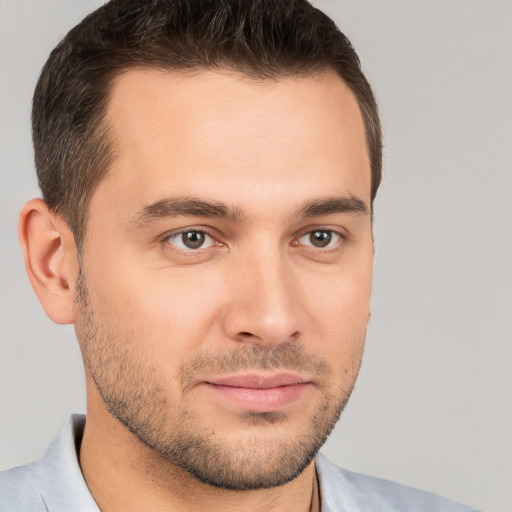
<point x="225" y="282"/>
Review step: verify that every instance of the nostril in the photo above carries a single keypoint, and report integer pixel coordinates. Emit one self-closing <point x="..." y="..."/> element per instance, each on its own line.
<point x="251" y="337"/>
<point x="247" y="337"/>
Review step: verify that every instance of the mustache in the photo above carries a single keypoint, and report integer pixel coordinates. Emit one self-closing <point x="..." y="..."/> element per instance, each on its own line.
<point x="249" y="357"/>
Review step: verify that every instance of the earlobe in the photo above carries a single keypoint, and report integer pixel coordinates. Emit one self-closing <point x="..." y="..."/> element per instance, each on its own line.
<point x="50" y="259"/>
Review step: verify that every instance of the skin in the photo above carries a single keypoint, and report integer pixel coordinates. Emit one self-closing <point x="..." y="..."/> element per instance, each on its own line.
<point x="158" y="322"/>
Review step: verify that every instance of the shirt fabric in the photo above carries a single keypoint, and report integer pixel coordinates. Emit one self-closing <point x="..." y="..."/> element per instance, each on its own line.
<point x="55" y="483"/>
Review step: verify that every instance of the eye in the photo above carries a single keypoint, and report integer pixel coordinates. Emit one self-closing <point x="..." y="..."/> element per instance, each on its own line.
<point x="190" y="240"/>
<point x="320" y="238"/>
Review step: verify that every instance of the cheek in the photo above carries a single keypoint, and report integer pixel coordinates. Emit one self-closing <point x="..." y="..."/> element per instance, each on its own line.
<point x="341" y="301"/>
<point x="338" y="313"/>
<point x="166" y="309"/>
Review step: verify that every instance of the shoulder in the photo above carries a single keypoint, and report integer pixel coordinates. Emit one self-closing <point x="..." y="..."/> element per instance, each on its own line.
<point x="344" y="490"/>
<point x="19" y="492"/>
<point x="52" y="483"/>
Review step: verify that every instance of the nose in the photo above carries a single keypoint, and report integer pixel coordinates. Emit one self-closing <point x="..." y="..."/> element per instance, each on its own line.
<point x="264" y="301"/>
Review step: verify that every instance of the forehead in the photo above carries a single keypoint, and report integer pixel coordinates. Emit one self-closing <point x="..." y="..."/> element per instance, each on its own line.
<point x="207" y="132"/>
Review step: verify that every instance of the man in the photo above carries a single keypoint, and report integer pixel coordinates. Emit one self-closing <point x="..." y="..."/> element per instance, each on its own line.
<point x="208" y="172"/>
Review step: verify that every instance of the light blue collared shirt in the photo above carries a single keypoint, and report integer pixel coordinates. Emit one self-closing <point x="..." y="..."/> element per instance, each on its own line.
<point x="55" y="483"/>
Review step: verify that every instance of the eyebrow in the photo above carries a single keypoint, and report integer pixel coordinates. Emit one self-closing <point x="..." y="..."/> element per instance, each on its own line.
<point x="185" y="207"/>
<point x="193" y="207"/>
<point x="330" y="205"/>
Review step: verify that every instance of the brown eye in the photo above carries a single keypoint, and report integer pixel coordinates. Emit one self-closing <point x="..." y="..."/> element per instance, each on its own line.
<point x="193" y="239"/>
<point x="190" y="240"/>
<point x="320" y="238"/>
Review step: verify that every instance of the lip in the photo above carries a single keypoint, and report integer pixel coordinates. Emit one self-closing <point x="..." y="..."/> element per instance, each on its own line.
<point x="260" y="393"/>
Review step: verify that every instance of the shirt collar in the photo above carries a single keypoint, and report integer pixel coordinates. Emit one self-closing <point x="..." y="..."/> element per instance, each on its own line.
<point x="57" y="473"/>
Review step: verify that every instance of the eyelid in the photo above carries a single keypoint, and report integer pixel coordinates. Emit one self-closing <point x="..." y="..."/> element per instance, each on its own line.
<point x="177" y="233"/>
<point x="338" y="232"/>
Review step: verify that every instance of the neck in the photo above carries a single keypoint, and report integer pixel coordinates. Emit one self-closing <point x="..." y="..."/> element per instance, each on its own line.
<point x="124" y="475"/>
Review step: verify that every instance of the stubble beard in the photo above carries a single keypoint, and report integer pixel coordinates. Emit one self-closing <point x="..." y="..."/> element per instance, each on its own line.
<point x="134" y="396"/>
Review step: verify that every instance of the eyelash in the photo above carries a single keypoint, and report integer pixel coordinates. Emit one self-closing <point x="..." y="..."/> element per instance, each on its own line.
<point x="333" y="234"/>
<point x="179" y="234"/>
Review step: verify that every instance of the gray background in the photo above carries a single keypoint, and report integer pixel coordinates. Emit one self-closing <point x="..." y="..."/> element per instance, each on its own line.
<point x="433" y="406"/>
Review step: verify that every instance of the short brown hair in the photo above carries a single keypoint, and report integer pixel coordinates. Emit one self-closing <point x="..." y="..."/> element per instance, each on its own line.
<point x="264" y="39"/>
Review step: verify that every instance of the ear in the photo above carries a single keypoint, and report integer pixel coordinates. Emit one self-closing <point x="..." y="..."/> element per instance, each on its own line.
<point x="50" y="259"/>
